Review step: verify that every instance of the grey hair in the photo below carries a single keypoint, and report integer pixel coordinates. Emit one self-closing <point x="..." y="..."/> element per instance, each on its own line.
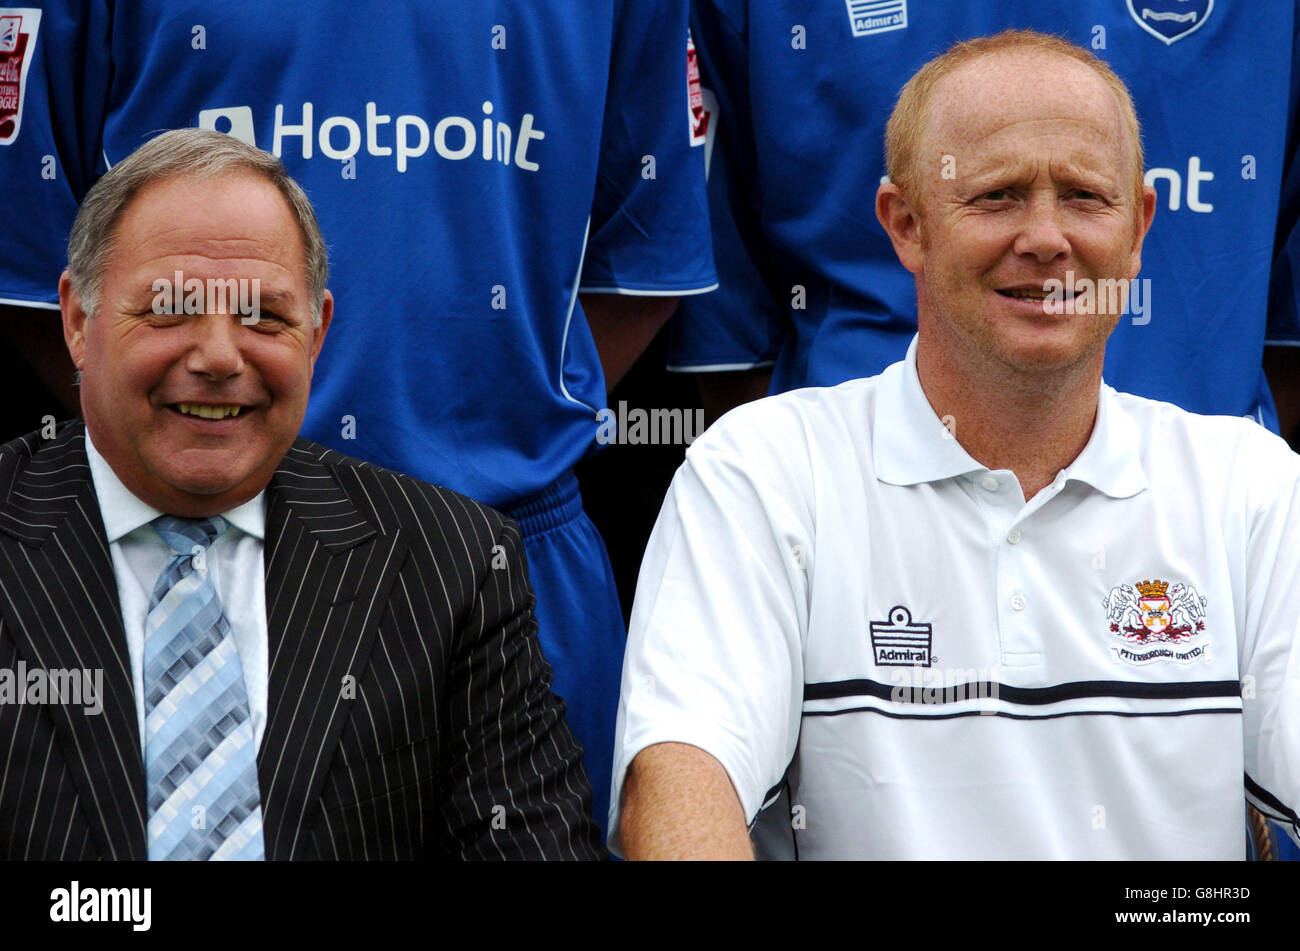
<point x="189" y="152"/>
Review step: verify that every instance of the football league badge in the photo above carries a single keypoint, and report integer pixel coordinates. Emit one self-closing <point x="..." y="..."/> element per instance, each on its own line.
<point x="696" y="107"/>
<point x="1158" y="621"/>
<point x="18" y="27"/>
<point x="1170" y="20"/>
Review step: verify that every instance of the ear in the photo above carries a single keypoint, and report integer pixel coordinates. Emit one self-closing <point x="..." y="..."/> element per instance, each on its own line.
<point x="1146" y="214"/>
<point x="74" y="320"/>
<point x="902" y="222"/>
<point x="318" y="333"/>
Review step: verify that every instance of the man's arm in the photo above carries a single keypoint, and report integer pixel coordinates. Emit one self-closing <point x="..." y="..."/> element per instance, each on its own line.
<point x="721" y="392"/>
<point x="679" y="803"/>
<point x="623" y="327"/>
<point x="1270" y="639"/>
<point x="648" y="238"/>
<point x="513" y="782"/>
<point x="37" y="335"/>
<point x="1282" y="364"/>
<point x="712" y="690"/>
<point x="48" y="166"/>
<point x="1282" y="361"/>
<point x="729" y="339"/>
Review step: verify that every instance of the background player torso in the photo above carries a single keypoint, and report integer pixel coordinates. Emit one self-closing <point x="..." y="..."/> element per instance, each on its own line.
<point x="458" y="352"/>
<point x="1213" y="107"/>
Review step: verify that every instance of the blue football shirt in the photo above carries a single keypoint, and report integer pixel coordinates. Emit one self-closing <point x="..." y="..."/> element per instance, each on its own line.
<point x="474" y="165"/>
<point x="809" y="281"/>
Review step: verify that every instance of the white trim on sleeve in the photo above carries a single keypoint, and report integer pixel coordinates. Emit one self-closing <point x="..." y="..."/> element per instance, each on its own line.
<point x="28" y="303"/>
<point x="631" y="292"/>
<point x="717" y="367"/>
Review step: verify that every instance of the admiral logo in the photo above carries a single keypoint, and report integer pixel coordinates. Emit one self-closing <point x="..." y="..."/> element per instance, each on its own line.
<point x="899" y="642"/>
<point x="1170" y="20"/>
<point x="454" y="138"/>
<point x="18" y="30"/>
<point x="868" y="17"/>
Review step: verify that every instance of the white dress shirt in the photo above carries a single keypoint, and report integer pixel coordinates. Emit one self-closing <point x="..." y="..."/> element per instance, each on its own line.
<point x="852" y="614"/>
<point x="234" y="563"/>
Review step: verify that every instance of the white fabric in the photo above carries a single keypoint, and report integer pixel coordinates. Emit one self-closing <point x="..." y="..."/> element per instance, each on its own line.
<point x="234" y="564"/>
<point x="798" y="520"/>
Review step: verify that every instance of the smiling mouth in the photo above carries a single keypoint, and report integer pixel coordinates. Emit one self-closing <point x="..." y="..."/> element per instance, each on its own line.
<point x="207" y="410"/>
<point x="1036" y="294"/>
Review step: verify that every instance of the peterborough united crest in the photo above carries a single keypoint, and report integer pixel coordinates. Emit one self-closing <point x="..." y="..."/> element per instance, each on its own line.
<point x="1170" y="20"/>
<point x="17" y="45"/>
<point x="1157" y="621"/>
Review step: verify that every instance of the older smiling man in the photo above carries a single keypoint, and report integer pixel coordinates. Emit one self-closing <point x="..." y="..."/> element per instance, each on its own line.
<point x="981" y="605"/>
<point x="304" y="656"/>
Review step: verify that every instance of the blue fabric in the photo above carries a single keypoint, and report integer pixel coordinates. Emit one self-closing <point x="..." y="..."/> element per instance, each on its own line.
<point x="459" y="352"/>
<point x="793" y="197"/>
<point x="1287" y="851"/>
<point x="580" y="623"/>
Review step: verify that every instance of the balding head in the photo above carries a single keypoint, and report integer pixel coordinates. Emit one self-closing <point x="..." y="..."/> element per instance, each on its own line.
<point x="1006" y="65"/>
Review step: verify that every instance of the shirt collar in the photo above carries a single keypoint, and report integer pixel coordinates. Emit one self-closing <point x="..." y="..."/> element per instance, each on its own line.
<point x="123" y="512"/>
<point x="911" y="445"/>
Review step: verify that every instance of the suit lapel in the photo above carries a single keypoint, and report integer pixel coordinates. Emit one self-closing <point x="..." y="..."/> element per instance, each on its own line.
<point x="58" y="598"/>
<point x="328" y="572"/>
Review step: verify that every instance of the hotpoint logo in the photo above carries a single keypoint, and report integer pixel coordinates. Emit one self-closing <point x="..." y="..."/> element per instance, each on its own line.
<point x="455" y="138"/>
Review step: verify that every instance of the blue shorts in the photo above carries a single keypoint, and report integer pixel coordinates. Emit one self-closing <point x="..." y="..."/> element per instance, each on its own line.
<point x="1284" y="847"/>
<point x="580" y="623"/>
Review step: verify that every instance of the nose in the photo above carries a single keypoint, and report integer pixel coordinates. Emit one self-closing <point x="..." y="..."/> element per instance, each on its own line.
<point x="1041" y="235"/>
<point x="215" y="350"/>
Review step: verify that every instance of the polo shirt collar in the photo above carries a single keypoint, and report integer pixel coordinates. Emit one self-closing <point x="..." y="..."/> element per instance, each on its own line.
<point x="1111" y="462"/>
<point x="123" y="512"/>
<point x="912" y="446"/>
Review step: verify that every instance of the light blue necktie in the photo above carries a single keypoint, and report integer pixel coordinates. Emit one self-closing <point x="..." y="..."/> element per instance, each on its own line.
<point x="200" y="761"/>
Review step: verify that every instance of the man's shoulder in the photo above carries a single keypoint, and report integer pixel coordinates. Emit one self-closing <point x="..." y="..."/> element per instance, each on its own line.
<point x="784" y="446"/>
<point x="18" y="452"/>
<point x="391" y="499"/>
<point x="1232" y="443"/>
<point x="810" y="416"/>
<point x="795" y="431"/>
<point x="57" y="456"/>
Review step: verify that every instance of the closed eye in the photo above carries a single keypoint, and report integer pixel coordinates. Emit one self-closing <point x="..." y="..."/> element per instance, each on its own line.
<point x="265" y="320"/>
<point x="1084" y="195"/>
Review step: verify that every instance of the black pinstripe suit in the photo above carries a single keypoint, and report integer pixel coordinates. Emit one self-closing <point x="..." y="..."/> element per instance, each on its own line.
<point x="450" y="743"/>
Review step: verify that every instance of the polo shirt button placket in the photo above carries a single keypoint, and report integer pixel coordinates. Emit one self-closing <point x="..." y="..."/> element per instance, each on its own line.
<point x="1019" y="646"/>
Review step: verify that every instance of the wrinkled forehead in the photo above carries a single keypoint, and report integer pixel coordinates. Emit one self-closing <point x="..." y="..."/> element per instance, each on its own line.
<point x="1024" y="94"/>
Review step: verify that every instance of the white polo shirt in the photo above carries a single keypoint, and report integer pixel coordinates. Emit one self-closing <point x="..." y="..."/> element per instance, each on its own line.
<point x="841" y="605"/>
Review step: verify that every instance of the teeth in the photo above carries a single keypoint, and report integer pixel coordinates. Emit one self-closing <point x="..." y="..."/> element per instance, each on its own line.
<point x="1026" y="294"/>
<point x="208" y="412"/>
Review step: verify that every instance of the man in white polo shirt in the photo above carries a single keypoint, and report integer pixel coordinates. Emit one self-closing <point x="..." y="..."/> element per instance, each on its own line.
<point x="981" y="605"/>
